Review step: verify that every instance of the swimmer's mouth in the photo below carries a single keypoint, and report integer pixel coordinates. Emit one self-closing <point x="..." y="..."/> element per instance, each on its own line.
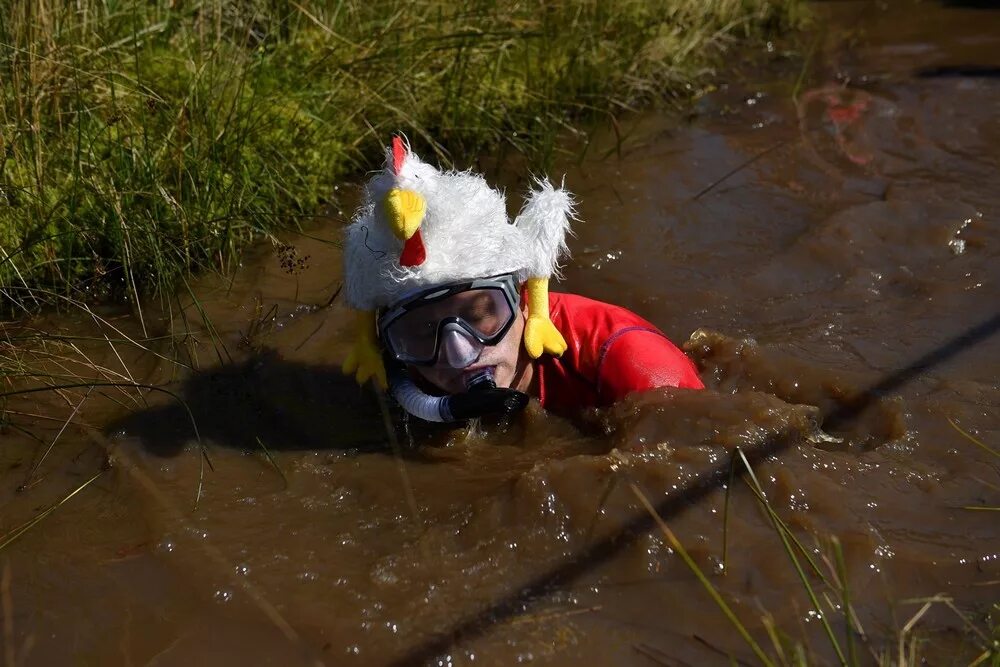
<point x="476" y="370"/>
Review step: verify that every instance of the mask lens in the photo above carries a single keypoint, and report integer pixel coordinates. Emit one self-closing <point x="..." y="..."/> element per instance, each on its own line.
<point x="485" y="310"/>
<point x="414" y="335"/>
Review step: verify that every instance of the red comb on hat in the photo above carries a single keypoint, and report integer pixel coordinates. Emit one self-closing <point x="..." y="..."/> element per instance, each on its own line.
<point x="414" y="253"/>
<point x="398" y="153"/>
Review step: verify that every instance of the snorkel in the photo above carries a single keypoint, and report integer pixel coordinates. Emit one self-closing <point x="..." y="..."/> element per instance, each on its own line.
<point x="481" y="398"/>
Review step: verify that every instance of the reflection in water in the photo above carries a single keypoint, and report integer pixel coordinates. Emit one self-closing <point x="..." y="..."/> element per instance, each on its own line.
<point x="828" y="251"/>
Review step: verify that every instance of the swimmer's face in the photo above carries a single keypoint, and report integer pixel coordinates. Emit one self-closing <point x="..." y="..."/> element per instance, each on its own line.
<point x="507" y="358"/>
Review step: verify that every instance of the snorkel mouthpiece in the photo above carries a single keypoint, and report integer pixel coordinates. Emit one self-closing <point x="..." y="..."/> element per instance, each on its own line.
<point x="482" y="379"/>
<point x="482" y="397"/>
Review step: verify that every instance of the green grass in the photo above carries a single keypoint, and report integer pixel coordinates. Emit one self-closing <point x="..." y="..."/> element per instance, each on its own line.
<point x="141" y="140"/>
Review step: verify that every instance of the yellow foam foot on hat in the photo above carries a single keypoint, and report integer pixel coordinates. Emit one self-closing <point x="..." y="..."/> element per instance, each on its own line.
<point x="365" y="360"/>
<point x="540" y="334"/>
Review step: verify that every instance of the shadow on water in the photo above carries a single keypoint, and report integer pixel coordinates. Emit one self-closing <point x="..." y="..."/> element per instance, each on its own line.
<point x="478" y="623"/>
<point x="284" y="405"/>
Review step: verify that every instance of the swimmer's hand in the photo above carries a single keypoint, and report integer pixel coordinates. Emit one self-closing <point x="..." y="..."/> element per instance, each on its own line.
<point x="541" y="336"/>
<point x="364" y="360"/>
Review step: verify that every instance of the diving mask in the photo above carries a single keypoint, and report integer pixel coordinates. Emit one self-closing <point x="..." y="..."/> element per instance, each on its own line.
<point x="450" y="324"/>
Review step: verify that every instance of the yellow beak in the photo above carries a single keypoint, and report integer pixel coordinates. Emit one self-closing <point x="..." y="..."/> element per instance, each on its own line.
<point x="405" y="210"/>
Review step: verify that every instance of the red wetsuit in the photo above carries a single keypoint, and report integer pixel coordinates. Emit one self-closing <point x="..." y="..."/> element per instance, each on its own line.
<point x="611" y="353"/>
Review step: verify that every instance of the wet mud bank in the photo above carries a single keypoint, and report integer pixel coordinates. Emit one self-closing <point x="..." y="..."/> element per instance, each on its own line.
<point x="827" y="252"/>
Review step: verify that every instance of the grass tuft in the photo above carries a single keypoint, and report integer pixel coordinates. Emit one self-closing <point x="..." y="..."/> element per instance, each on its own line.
<point x="140" y="141"/>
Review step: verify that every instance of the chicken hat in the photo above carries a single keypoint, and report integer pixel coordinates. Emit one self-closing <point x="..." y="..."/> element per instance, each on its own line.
<point x="418" y="226"/>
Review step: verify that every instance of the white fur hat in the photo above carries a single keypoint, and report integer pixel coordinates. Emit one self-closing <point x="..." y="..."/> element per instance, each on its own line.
<point x="461" y="232"/>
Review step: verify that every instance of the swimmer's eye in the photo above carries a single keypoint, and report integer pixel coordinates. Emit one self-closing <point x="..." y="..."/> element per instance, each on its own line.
<point x="481" y="309"/>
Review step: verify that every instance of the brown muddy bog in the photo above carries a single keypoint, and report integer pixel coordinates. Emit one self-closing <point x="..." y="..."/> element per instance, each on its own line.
<point x="821" y="241"/>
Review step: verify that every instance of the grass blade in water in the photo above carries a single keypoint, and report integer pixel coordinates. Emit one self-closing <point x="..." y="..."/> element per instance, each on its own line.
<point x="679" y="548"/>
<point x="781" y="530"/>
<point x="14" y="534"/>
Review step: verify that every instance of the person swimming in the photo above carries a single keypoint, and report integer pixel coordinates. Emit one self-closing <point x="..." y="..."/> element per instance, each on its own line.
<point x="454" y="312"/>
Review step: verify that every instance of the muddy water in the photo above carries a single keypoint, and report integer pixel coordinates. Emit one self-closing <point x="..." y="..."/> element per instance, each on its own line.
<point x="829" y="253"/>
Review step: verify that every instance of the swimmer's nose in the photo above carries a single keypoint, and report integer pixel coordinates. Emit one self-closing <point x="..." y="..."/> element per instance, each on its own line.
<point x="458" y="348"/>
